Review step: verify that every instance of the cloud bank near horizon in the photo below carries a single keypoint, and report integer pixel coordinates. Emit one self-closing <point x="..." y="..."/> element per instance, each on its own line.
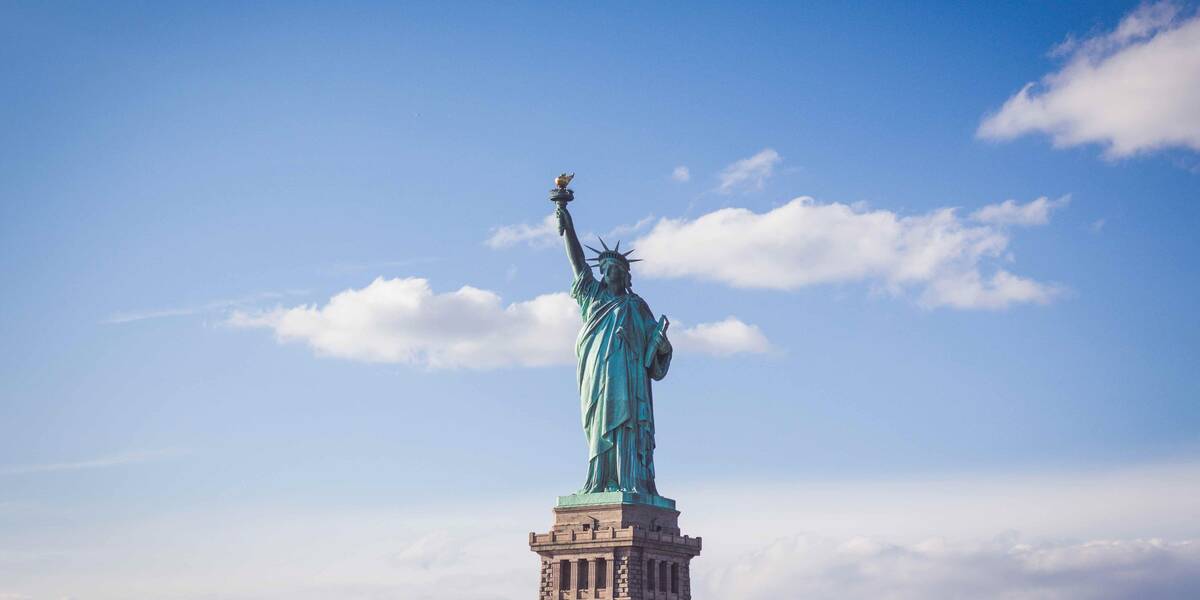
<point x="1041" y="536"/>
<point x="864" y="568"/>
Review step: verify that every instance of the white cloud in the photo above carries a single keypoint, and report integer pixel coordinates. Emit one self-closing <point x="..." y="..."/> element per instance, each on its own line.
<point x="542" y="234"/>
<point x="1096" y="226"/>
<point x="749" y="173"/>
<point x="681" y="174"/>
<point x="969" y="290"/>
<point x="405" y="321"/>
<point x="1133" y="90"/>
<point x="805" y="243"/>
<point x="723" y="338"/>
<point x="819" y="568"/>
<point x="1142" y="22"/>
<point x="1009" y="212"/>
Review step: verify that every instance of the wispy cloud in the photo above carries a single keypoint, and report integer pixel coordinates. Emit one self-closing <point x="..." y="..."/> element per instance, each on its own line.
<point x="437" y="548"/>
<point x="681" y="174"/>
<point x="724" y="338"/>
<point x="405" y="321"/>
<point x="545" y="234"/>
<point x="805" y="243"/>
<point x="542" y="234"/>
<point x="1134" y="89"/>
<point x="208" y="307"/>
<point x="749" y="173"/>
<point x="806" y="566"/>
<point x="1009" y="212"/>
<point x="621" y="230"/>
<point x="103" y="462"/>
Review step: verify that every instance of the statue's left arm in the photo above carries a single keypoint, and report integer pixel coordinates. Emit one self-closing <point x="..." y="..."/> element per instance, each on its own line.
<point x="662" y="359"/>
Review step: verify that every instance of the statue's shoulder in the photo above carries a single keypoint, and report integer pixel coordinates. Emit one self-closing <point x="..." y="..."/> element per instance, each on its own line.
<point x="584" y="285"/>
<point x="639" y="301"/>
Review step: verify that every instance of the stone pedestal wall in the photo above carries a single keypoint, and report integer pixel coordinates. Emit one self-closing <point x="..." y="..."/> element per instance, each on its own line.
<point x="606" y="552"/>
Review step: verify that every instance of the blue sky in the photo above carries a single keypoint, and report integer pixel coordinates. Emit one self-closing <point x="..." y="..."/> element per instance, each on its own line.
<point x="212" y="218"/>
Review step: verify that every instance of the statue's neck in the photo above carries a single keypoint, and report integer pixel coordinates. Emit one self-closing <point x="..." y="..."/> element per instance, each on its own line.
<point x="615" y="290"/>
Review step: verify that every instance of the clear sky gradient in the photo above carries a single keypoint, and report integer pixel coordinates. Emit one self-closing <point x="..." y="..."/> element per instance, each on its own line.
<point x="176" y="180"/>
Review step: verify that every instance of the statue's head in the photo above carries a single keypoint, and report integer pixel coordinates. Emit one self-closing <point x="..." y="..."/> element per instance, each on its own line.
<point x="613" y="265"/>
<point x="616" y="275"/>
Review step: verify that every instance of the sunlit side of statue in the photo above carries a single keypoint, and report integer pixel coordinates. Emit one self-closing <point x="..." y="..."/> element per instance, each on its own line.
<point x="620" y="349"/>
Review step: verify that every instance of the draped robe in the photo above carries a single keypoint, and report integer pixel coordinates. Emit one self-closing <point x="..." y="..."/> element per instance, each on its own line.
<point x="614" y="387"/>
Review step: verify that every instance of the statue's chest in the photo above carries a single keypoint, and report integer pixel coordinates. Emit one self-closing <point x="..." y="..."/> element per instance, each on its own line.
<point x="621" y="319"/>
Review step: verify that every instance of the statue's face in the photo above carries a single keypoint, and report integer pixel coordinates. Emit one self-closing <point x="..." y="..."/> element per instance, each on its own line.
<point x="615" y="276"/>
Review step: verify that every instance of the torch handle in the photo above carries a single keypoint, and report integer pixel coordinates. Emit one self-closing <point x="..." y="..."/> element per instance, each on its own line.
<point x="562" y="207"/>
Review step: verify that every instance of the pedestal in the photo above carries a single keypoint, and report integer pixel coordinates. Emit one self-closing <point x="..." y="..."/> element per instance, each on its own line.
<point x="614" y="546"/>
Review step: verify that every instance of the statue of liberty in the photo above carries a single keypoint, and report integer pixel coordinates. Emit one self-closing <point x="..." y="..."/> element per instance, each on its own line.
<point x="620" y="349"/>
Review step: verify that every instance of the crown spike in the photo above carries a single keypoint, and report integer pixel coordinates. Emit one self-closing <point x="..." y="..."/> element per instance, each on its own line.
<point x="617" y="248"/>
<point x="633" y="260"/>
<point x="626" y="254"/>
<point x="591" y="248"/>
<point x="603" y="244"/>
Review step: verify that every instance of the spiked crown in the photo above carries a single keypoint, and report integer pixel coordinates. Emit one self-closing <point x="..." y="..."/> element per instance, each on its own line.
<point x="614" y="255"/>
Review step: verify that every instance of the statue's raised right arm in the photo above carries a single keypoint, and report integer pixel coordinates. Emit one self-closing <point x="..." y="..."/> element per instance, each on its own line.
<point x="566" y="228"/>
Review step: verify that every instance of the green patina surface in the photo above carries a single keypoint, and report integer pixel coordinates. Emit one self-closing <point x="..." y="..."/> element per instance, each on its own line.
<point x="621" y="349"/>
<point x="598" y="498"/>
